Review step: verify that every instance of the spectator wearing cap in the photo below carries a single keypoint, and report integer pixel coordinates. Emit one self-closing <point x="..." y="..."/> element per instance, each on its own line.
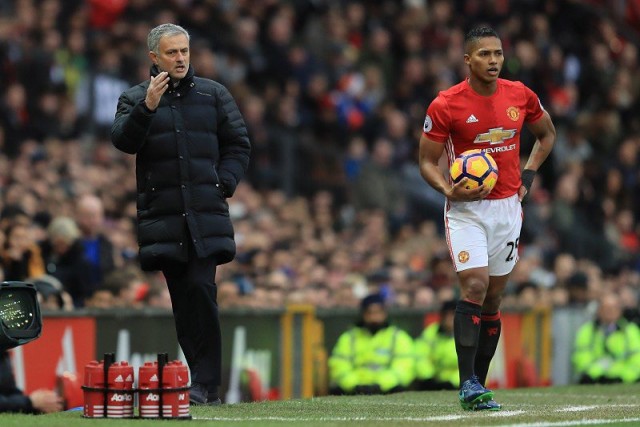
<point x="51" y="295"/>
<point x="373" y="356"/>
<point x="436" y="359"/>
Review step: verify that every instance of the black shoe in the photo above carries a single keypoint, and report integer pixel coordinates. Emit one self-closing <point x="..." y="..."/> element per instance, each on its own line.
<point x="198" y="394"/>
<point x="215" y="401"/>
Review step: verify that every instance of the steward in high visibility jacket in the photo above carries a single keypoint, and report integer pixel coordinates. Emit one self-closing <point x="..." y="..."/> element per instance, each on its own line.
<point x="436" y="358"/>
<point x="607" y="350"/>
<point x="372" y="357"/>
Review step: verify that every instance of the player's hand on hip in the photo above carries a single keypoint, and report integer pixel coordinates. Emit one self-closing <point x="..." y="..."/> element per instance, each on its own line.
<point x="460" y="193"/>
<point x="157" y="87"/>
<point x="522" y="193"/>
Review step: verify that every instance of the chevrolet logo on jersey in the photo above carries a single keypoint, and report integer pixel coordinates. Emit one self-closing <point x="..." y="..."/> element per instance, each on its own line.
<point x="495" y="135"/>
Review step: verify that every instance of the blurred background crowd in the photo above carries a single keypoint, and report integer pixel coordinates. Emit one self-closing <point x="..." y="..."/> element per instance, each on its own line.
<point x="334" y="95"/>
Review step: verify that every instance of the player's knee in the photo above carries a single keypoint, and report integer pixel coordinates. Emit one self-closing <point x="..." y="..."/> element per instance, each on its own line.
<point x="475" y="289"/>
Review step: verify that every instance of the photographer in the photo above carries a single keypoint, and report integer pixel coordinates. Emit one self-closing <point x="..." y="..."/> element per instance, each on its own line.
<point x="12" y="399"/>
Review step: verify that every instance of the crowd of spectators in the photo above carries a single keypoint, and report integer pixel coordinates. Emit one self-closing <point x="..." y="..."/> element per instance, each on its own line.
<point x="334" y="95"/>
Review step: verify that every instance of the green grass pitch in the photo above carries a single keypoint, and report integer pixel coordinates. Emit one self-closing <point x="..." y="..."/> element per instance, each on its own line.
<point x="610" y="405"/>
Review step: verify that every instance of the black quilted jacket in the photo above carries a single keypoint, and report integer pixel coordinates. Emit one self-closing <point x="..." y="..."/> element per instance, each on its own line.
<point x="190" y="155"/>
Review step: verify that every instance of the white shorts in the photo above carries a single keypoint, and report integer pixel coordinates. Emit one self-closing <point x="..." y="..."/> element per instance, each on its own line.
<point x="484" y="233"/>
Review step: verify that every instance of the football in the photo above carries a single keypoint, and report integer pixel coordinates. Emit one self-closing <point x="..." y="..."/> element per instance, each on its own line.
<point x="476" y="165"/>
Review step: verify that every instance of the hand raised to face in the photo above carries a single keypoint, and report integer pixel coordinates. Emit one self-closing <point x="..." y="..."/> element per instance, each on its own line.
<point x="157" y="87"/>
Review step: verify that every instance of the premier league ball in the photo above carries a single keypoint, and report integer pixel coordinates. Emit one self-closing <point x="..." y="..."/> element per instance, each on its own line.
<point x="476" y="165"/>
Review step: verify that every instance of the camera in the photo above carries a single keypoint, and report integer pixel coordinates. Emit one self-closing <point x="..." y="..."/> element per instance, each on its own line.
<point x="20" y="317"/>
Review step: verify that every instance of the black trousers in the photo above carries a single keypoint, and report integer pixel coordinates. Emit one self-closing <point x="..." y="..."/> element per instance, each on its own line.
<point x="195" y="310"/>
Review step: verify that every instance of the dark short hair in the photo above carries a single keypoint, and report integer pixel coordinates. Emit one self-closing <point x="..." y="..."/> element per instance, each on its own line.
<point x="578" y="280"/>
<point x="478" y="33"/>
<point x="12" y="211"/>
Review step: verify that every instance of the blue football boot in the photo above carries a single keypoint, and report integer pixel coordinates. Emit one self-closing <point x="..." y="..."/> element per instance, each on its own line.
<point x="473" y="393"/>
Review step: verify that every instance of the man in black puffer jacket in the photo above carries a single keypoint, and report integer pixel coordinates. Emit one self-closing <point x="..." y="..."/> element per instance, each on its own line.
<point x="192" y="149"/>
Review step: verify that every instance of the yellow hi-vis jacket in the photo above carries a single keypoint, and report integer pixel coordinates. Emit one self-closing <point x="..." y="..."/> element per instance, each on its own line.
<point x="615" y="356"/>
<point x="385" y="359"/>
<point x="436" y="356"/>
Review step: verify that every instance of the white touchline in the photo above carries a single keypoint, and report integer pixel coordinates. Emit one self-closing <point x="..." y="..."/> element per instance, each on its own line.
<point x="574" y="423"/>
<point x="578" y="408"/>
<point x="506" y="413"/>
<point x="591" y="407"/>
<point x="572" y="395"/>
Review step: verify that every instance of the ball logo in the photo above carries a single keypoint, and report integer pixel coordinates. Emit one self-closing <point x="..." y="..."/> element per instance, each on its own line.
<point x="513" y="113"/>
<point x="428" y="124"/>
<point x="463" y="256"/>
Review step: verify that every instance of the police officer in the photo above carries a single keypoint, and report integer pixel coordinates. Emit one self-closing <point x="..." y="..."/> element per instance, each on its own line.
<point x="373" y="356"/>
<point x="436" y="358"/>
<point x="607" y="349"/>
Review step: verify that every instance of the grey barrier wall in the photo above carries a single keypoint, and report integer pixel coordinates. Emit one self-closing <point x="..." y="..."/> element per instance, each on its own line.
<point x="137" y="336"/>
<point x="565" y="325"/>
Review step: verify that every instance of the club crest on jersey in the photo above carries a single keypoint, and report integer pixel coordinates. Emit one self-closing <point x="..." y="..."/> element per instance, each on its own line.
<point x="495" y="135"/>
<point x="463" y="256"/>
<point x="513" y="113"/>
<point x="428" y="124"/>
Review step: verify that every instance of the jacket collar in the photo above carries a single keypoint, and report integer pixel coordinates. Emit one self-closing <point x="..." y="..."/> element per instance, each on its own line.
<point x="154" y="71"/>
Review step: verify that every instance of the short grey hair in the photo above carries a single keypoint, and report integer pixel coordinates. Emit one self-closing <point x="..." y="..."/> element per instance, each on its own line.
<point x="153" y="40"/>
<point x="64" y="228"/>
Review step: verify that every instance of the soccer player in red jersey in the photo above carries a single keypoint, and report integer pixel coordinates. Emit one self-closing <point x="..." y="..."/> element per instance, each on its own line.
<point x="483" y="226"/>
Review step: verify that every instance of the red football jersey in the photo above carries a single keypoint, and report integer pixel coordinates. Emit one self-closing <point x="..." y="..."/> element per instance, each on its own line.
<point x="464" y="120"/>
